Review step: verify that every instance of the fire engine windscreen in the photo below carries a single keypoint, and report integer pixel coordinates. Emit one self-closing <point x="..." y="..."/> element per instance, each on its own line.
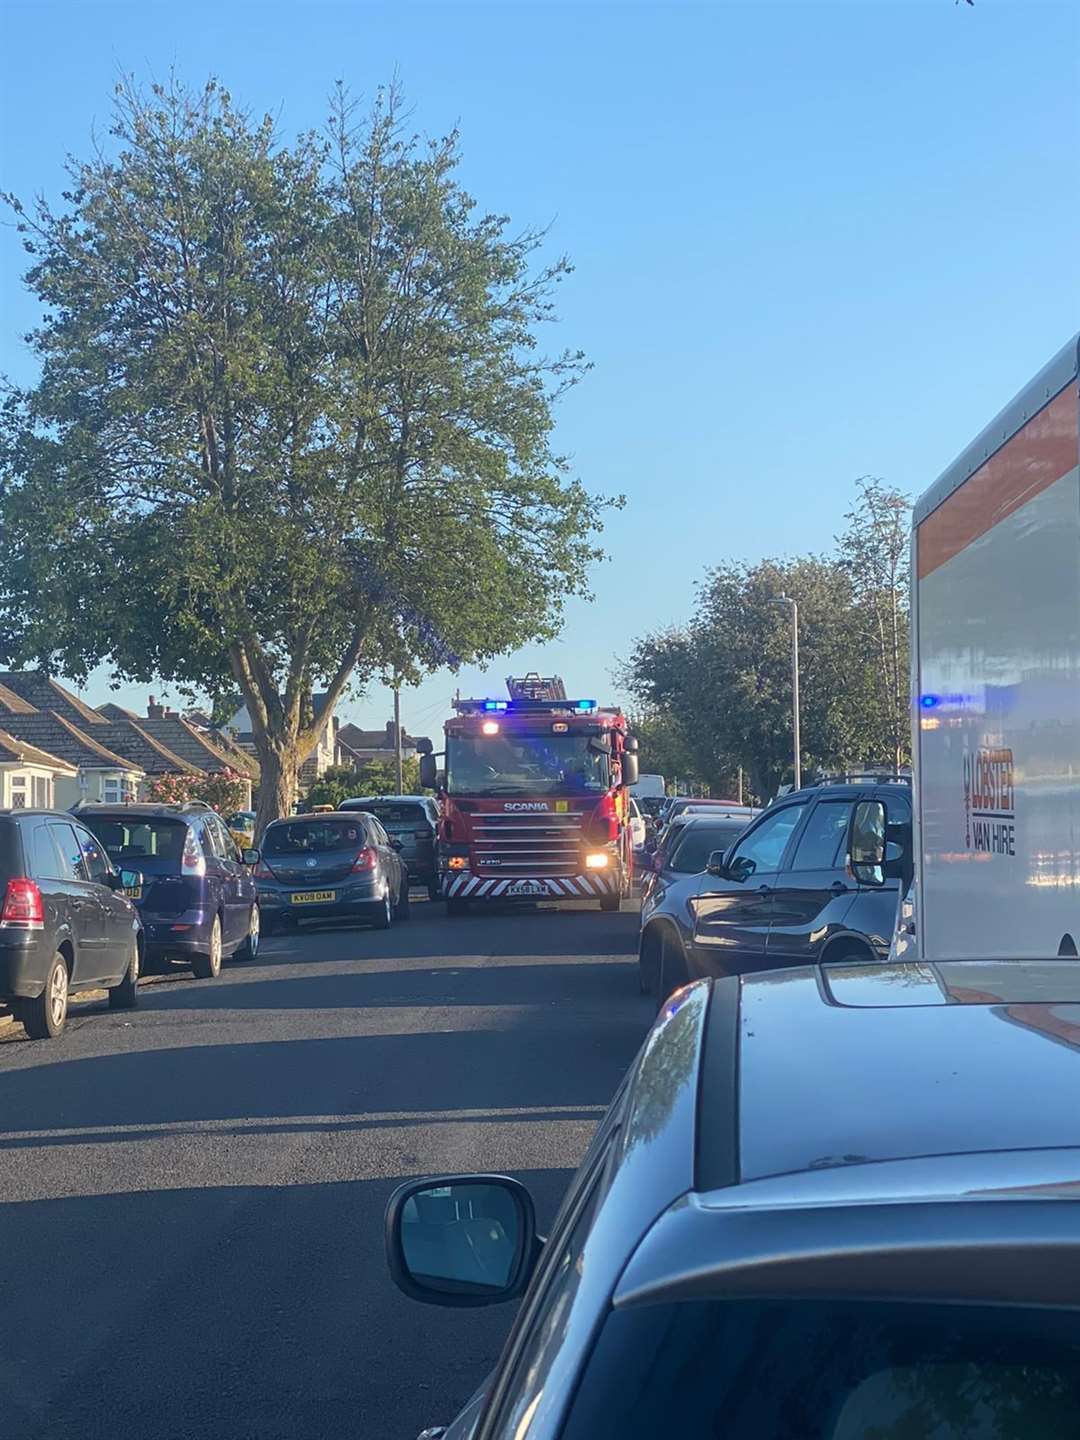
<point x="512" y="763"/>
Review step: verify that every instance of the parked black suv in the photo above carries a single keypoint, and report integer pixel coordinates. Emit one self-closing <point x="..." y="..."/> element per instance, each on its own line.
<point x="65" y="923"/>
<point x="781" y="895"/>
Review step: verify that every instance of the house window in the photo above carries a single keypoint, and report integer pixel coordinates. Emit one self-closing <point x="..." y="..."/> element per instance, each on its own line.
<point x="110" y="790"/>
<point x="43" y="792"/>
<point x="18" y="792"/>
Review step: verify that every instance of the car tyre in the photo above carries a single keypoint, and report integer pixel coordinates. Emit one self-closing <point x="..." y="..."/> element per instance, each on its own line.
<point x="671" y="972"/>
<point x="403" y="907"/>
<point x="434" y="890"/>
<point x="610" y="902"/>
<point x="44" y="1018"/>
<point x="125" y="996"/>
<point x="250" y="948"/>
<point x="383" y="917"/>
<point x="207" y="966"/>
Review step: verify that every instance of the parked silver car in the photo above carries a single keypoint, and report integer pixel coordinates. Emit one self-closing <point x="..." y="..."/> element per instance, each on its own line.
<point x="827" y="1203"/>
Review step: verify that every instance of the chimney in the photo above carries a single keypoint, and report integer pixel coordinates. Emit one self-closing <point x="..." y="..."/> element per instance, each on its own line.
<point x="171" y="714"/>
<point x="390" y="732"/>
<point x="154" y="711"/>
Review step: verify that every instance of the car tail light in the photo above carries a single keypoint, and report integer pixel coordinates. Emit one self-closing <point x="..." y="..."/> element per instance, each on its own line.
<point x="366" y="860"/>
<point x="22" y="908"/>
<point x="193" y="861"/>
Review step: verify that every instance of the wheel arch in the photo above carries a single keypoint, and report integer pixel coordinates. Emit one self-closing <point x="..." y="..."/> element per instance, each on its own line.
<point x="848" y="945"/>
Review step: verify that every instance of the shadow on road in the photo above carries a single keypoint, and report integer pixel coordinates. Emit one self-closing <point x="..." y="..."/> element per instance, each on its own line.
<point x="227" y="1312"/>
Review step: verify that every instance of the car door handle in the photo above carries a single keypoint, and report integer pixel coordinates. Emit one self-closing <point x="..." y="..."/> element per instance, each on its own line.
<point x="838" y="887"/>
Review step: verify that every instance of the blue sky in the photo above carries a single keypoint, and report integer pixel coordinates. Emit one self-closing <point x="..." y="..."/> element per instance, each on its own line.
<point x="813" y="240"/>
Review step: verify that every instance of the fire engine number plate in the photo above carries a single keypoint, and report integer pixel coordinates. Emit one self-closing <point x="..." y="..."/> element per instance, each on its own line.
<point x="527" y="887"/>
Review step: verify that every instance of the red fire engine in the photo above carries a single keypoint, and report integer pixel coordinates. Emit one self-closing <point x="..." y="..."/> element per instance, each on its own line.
<point x="534" y="801"/>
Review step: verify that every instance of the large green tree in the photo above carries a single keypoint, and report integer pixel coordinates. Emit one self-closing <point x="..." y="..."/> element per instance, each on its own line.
<point x="727" y="674"/>
<point x="292" y="422"/>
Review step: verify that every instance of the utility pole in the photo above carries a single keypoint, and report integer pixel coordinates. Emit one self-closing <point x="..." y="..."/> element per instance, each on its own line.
<point x="740" y="784"/>
<point x="795" y="741"/>
<point x="397" y="738"/>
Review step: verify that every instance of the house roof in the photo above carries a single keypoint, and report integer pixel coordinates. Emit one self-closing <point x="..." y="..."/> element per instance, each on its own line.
<point x="116" y="712"/>
<point x="44" y="693"/>
<point x="131" y="739"/>
<point x="56" y="735"/>
<point x="356" y="739"/>
<point x="14" y="704"/>
<point x="15" y="751"/>
<point x="197" y="748"/>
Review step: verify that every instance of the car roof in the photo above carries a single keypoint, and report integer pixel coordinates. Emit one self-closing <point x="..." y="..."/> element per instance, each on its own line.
<point x="719" y="817"/>
<point x="908" y="1061"/>
<point x="362" y="800"/>
<point x="142" y="809"/>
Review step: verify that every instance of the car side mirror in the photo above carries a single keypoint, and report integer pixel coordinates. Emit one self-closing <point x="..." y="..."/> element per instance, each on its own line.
<point x="424" y="746"/>
<point x="429" y="775"/>
<point x="462" y="1240"/>
<point x="250" y="856"/>
<point x="866" y="843"/>
<point x="715" y="865"/>
<point x="740" y="869"/>
<point x="630" y="768"/>
<point x="395" y="843"/>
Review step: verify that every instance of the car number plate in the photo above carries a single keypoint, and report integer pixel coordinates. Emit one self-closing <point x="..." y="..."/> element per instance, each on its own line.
<point x="133" y="892"/>
<point x="314" y="897"/>
<point x="527" y="887"/>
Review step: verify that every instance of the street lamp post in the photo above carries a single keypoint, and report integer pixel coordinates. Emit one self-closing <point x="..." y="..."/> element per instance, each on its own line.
<point x="795" y="742"/>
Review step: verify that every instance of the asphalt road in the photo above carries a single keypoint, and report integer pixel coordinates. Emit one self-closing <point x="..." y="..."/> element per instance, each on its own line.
<point x="191" y="1195"/>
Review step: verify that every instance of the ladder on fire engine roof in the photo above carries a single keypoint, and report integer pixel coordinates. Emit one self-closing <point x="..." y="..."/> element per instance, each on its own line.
<point x="536" y="687"/>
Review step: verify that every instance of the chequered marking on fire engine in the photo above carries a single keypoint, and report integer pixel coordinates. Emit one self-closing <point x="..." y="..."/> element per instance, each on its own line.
<point x="473" y="887"/>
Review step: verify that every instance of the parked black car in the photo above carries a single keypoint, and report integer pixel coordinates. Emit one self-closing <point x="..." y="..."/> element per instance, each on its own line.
<point x="337" y="865"/>
<point x="781" y="895"/>
<point x="827" y="1203"/>
<point x="197" y="902"/>
<point x="676" y="855"/>
<point x="65" y="922"/>
<point x="414" y="820"/>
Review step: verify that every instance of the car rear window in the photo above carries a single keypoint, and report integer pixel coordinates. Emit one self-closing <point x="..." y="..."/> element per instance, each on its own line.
<point x="396" y="817"/>
<point x="139" y="839"/>
<point x="314" y="837"/>
<point x="820" y="1370"/>
<point x="695" y="843"/>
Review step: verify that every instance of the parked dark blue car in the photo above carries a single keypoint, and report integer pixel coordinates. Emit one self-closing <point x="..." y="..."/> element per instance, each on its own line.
<point x="198" y="901"/>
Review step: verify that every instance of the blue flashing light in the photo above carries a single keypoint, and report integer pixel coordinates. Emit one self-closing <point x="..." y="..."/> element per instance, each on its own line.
<point x="497" y="705"/>
<point x="928" y="702"/>
<point x="585" y="707"/>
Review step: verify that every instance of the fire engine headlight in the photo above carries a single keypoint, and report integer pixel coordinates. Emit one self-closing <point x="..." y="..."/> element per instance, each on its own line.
<point x="597" y="861"/>
<point x="490" y="727"/>
<point x="457" y="862"/>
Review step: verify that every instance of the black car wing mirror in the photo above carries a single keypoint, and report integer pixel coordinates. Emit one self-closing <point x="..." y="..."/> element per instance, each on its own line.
<point x="250" y="856"/>
<point x="429" y="774"/>
<point x="462" y="1240"/>
<point x="866" y="847"/>
<point x="395" y="843"/>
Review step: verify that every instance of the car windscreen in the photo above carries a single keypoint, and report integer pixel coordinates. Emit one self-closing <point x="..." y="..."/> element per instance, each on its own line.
<point x="397" y="817"/>
<point x="823" y="1370"/>
<point x="132" y="838"/>
<point x="695" y="843"/>
<point x="314" y="837"/>
<point x="513" y="763"/>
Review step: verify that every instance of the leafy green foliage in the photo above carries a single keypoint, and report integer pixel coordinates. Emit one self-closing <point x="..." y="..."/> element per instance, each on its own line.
<point x="722" y="683"/>
<point x="293" y="424"/>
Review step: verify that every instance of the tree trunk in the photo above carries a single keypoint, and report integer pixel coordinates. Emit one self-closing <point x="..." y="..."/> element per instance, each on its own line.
<point x="279" y="766"/>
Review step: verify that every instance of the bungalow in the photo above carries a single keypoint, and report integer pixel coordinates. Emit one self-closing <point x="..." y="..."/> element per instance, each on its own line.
<point x="100" y="773"/>
<point x="365" y="746"/>
<point x="28" y="775"/>
<point x="212" y="753"/>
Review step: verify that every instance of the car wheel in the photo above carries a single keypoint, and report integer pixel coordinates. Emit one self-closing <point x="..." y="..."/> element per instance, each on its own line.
<point x="44" y="1017"/>
<point x="403" y="906"/>
<point x="207" y="966"/>
<point x="125" y="996"/>
<point x="610" y="902"/>
<point x="384" y="915"/>
<point x="649" y="963"/>
<point x="671" y="971"/>
<point x="434" y="890"/>
<point x="250" y="948"/>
